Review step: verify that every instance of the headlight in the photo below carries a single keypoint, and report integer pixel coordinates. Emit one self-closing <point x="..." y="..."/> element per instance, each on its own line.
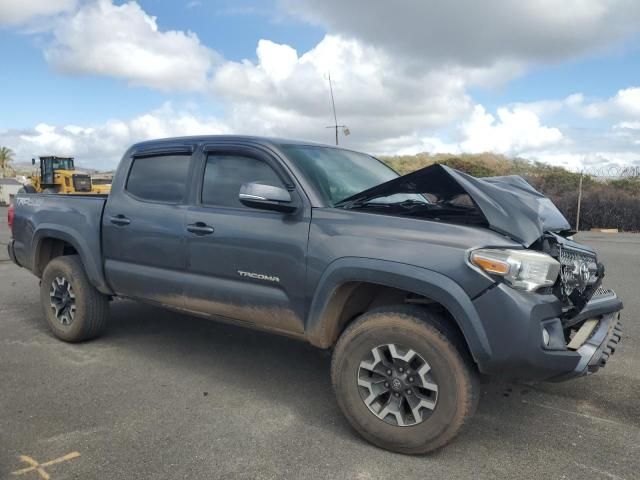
<point x="522" y="269"/>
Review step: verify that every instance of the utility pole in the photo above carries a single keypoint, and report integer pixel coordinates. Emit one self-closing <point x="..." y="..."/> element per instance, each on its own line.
<point x="335" y="117"/>
<point x="579" y="202"/>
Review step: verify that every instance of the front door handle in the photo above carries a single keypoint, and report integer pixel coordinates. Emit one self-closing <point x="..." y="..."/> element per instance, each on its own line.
<point x="200" y="228"/>
<point x="120" y="220"/>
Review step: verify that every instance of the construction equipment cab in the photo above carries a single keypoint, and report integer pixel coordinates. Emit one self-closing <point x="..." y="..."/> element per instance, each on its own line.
<point x="58" y="175"/>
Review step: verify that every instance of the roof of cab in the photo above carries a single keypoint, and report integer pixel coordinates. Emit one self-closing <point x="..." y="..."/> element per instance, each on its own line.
<point x="274" y="141"/>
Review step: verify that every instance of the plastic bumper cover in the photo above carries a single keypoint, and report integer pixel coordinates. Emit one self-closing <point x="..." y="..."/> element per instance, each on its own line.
<point x="598" y="347"/>
<point x="513" y="321"/>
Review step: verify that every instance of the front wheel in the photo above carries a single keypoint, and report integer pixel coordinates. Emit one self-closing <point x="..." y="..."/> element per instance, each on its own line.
<point x="74" y="309"/>
<point x="403" y="379"/>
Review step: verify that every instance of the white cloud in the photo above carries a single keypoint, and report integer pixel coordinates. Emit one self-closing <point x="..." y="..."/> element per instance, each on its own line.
<point x="400" y="85"/>
<point x="548" y="107"/>
<point x="379" y="97"/>
<point x="627" y="126"/>
<point x="101" y="146"/>
<point x="24" y="11"/>
<point x="624" y="104"/>
<point x="387" y="99"/>
<point x="512" y="131"/>
<point x="123" y="41"/>
<point x="49" y="137"/>
<point x="475" y="33"/>
<point x="413" y="144"/>
<point x="515" y="131"/>
<point x="601" y="163"/>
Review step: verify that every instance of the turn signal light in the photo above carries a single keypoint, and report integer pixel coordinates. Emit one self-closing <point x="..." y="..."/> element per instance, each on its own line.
<point x="491" y="265"/>
<point x="523" y="269"/>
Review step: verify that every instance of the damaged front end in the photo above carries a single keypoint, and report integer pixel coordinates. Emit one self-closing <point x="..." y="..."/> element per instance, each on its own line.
<point x="508" y="205"/>
<point x="580" y="274"/>
<point x="591" y="313"/>
<point x="551" y="263"/>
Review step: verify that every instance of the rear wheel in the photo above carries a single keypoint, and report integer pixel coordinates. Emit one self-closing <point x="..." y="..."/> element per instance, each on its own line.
<point x="73" y="308"/>
<point x="404" y="380"/>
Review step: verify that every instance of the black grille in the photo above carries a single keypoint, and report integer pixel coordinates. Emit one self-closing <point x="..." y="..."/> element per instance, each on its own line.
<point x="82" y="183"/>
<point x="602" y="292"/>
<point x="577" y="270"/>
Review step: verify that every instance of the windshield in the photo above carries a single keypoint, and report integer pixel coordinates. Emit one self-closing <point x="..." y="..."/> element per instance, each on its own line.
<point x="338" y="174"/>
<point x="62" y="163"/>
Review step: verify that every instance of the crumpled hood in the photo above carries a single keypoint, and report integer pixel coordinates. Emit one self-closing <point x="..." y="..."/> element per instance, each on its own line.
<point x="509" y="204"/>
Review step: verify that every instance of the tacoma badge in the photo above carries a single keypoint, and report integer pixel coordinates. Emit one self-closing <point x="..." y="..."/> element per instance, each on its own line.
<point x="259" y="276"/>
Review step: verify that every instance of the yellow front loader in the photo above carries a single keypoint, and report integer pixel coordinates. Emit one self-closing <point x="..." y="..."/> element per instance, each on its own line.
<point x="58" y="175"/>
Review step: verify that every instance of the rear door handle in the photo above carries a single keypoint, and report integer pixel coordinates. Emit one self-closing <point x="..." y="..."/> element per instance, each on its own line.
<point x="120" y="220"/>
<point x="200" y="228"/>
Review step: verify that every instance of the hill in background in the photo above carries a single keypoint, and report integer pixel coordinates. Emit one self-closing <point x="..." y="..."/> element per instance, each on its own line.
<point x="606" y="202"/>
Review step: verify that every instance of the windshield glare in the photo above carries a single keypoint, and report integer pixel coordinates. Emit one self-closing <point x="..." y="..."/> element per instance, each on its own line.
<point x="62" y="164"/>
<point x="338" y="174"/>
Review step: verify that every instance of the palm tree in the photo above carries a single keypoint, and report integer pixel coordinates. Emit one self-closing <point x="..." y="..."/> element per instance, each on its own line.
<point x="6" y="155"/>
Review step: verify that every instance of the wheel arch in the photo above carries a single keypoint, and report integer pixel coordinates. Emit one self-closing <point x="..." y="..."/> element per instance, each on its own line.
<point x="49" y="243"/>
<point x="351" y="282"/>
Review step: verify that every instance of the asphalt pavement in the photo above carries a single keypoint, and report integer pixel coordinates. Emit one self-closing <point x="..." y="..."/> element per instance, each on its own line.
<point x="164" y="395"/>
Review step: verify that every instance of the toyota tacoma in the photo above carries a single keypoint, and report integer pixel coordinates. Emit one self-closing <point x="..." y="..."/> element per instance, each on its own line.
<point x="417" y="283"/>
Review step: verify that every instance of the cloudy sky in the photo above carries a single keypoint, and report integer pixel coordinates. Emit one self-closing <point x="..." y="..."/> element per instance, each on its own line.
<point x="557" y="81"/>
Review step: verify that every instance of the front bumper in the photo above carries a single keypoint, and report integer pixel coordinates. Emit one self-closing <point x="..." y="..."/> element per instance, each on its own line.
<point x="596" y="350"/>
<point x="514" y="322"/>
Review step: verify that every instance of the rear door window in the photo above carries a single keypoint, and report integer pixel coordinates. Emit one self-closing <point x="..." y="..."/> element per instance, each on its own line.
<point x="159" y="179"/>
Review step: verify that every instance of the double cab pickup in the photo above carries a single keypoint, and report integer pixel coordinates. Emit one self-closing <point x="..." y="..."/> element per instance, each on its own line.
<point x="417" y="283"/>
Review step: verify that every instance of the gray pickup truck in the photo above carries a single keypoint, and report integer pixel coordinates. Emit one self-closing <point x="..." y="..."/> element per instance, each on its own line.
<point x="418" y="283"/>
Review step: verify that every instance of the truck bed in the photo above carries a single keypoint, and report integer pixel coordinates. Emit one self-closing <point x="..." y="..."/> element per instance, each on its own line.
<point x="75" y="219"/>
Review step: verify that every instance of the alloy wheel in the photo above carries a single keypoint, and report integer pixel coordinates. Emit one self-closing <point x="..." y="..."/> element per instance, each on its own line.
<point x="397" y="386"/>
<point x="63" y="300"/>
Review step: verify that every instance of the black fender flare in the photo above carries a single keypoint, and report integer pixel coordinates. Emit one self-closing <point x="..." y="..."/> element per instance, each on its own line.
<point x="93" y="269"/>
<point x="323" y="332"/>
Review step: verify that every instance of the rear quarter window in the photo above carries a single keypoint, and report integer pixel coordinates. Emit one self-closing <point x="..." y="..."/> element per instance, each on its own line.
<point x="160" y="178"/>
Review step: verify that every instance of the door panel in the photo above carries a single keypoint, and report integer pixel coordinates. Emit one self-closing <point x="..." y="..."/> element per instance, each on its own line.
<point x="144" y="238"/>
<point x="144" y="257"/>
<point x="252" y="267"/>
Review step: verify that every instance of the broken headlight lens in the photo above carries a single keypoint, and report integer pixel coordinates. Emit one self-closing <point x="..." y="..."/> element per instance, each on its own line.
<point x="523" y="269"/>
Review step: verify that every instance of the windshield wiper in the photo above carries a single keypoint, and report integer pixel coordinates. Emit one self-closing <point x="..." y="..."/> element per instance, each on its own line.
<point x="360" y="202"/>
<point x="408" y="203"/>
<point x="349" y="203"/>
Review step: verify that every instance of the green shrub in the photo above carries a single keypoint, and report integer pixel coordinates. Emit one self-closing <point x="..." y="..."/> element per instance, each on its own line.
<point x="606" y="203"/>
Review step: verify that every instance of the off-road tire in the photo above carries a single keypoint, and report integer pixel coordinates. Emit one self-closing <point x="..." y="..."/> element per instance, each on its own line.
<point x="91" y="307"/>
<point x="428" y="334"/>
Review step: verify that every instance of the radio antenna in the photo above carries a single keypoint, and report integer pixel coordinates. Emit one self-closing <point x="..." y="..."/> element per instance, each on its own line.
<point x="335" y="125"/>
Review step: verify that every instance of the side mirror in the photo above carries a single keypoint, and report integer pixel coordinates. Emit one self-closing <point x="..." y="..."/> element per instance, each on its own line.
<point x="266" y="197"/>
<point x="33" y="161"/>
